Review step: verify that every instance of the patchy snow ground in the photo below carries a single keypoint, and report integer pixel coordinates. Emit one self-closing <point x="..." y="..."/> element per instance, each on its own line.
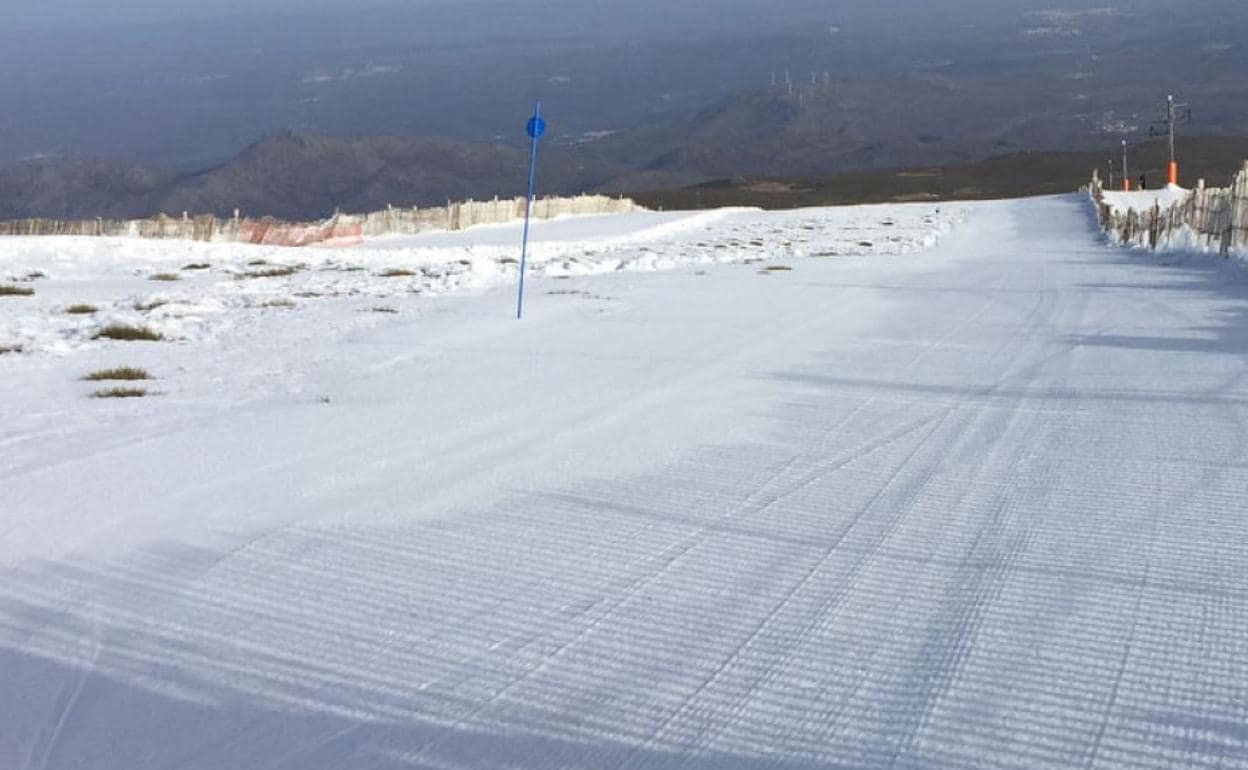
<point x="215" y="288"/>
<point x="980" y="505"/>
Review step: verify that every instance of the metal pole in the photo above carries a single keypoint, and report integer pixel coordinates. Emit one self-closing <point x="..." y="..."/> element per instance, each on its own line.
<point x="528" y="206"/>
<point x="1170" y="121"/>
<point x="1172" y="170"/>
<point x="1126" y="177"/>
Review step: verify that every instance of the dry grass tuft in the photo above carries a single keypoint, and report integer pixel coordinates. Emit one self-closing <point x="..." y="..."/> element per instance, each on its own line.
<point x="128" y="333"/>
<point x="197" y="266"/>
<point x="81" y="309"/>
<point x="396" y="272"/>
<point x="278" y="271"/>
<point x="147" y="307"/>
<point x="120" y="373"/>
<point x="120" y="392"/>
<point x="36" y="275"/>
<point x="10" y="349"/>
<point x="9" y="290"/>
<point x="165" y="277"/>
<point x="282" y="302"/>
<point x="384" y="310"/>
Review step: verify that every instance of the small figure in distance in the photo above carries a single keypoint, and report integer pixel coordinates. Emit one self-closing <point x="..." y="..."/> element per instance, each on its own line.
<point x="1143" y="182"/>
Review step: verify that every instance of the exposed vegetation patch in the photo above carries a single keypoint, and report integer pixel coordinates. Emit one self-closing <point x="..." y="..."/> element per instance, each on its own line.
<point x="579" y="293"/>
<point x="396" y="272"/>
<point x="120" y="373"/>
<point x="197" y="266"/>
<point x="165" y="277"/>
<point x="278" y="271"/>
<point x="120" y="392"/>
<point x="147" y="307"/>
<point x="280" y="303"/>
<point x="10" y="349"/>
<point x="36" y="275"/>
<point x="9" y="290"/>
<point x="776" y="269"/>
<point x="128" y="333"/>
<point x="384" y="310"/>
<point x="81" y="309"/>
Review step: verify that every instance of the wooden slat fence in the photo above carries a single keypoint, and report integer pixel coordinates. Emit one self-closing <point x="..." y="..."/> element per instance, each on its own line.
<point x="341" y="229"/>
<point x="1209" y="218"/>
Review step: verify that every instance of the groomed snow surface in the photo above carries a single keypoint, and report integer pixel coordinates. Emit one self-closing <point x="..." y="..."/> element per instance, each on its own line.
<point x="981" y="504"/>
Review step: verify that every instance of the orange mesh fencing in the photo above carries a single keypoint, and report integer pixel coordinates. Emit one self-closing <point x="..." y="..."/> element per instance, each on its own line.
<point x="331" y="234"/>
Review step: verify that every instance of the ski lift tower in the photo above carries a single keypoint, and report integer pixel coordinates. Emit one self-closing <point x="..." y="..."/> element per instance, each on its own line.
<point x="1175" y="114"/>
<point x="1126" y="178"/>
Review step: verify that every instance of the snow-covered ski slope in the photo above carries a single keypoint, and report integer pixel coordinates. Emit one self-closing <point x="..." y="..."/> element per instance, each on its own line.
<point x="983" y="505"/>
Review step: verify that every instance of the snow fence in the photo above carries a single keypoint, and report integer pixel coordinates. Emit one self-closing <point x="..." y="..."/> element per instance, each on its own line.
<point x="1206" y="219"/>
<point x="339" y="230"/>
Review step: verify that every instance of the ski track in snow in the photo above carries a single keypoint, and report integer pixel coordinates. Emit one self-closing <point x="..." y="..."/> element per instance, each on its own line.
<point x="971" y="497"/>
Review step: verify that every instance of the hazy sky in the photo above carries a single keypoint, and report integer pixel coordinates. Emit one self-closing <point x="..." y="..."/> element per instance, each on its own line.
<point x="468" y="20"/>
<point x="90" y="12"/>
<point x="136" y="10"/>
<point x="44" y="12"/>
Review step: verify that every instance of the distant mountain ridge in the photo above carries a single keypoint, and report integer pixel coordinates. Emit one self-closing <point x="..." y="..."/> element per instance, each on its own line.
<point x="287" y="175"/>
<point x="821" y="130"/>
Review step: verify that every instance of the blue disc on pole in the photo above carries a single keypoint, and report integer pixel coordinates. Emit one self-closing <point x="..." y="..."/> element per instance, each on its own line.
<point x="536" y="127"/>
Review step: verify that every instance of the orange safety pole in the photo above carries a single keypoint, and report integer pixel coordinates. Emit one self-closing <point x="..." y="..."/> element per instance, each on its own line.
<point x="1174" y="172"/>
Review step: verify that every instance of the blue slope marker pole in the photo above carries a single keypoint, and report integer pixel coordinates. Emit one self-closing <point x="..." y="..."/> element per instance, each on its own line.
<point x="535" y="129"/>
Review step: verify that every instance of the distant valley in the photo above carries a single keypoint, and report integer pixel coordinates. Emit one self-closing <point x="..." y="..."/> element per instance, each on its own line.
<point x="299" y="116"/>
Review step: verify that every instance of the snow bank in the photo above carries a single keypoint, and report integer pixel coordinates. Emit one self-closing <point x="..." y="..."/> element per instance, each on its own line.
<point x="1142" y="200"/>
